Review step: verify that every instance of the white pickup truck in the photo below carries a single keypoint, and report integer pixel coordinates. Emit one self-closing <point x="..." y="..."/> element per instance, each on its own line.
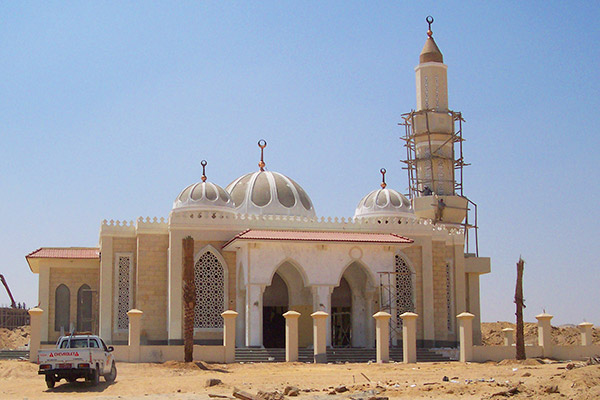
<point x="78" y="356"/>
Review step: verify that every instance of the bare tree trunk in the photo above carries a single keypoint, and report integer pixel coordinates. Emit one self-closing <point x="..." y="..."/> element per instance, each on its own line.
<point x="189" y="298"/>
<point x="520" y="302"/>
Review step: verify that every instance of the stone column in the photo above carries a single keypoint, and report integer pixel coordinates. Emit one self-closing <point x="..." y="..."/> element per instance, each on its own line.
<point x="322" y="302"/>
<point x="291" y="335"/>
<point x="135" y="329"/>
<point x="474" y="306"/>
<point x="319" y="335"/>
<point x="254" y="315"/>
<point x="382" y="335"/>
<point x="545" y="333"/>
<point x="509" y="336"/>
<point x="44" y="298"/>
<point x="229" y="335"/>
<point x="586" y="333"/>
<point x="409" y="337"/>
<point x="35" y="318"/>
<point x="465" y="330"/>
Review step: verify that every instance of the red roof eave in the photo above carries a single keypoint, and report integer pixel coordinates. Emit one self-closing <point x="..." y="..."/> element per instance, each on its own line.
<point x="320" y="236"/>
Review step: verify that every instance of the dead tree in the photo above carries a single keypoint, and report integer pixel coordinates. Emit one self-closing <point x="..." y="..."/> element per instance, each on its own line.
<point x="189" y="298"/>
<point x="520" y="302"/>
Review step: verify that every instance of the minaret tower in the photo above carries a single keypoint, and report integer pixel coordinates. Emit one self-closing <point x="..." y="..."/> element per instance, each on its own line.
<point x="434" y="142"/>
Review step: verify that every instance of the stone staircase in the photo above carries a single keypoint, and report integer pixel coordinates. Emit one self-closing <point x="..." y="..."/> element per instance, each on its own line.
<point x="13" y="354"/>
<point x="334" y="355"/>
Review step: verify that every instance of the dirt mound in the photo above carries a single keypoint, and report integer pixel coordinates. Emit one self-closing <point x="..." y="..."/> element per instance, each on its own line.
<point x="492" y="335"/>
<point x="11" y="339"/>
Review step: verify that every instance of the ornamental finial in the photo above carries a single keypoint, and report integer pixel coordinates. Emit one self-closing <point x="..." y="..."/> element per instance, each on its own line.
<point x="383" y="184"/>
<point x="203" y="163"/>
<point x="429" y="20"/>
<point x="262" y="144"/>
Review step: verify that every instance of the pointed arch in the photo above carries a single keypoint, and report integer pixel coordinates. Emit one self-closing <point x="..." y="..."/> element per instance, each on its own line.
<point x="62" y="308"/>
<point x="211" y="275"/>
<point x="296" y="266"/>
<point x="371" y="280"/>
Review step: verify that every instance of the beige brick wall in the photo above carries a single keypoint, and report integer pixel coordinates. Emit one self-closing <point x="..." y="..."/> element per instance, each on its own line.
<point x="73" y="278"/>
<point x="414" y="255"/>
<point x="441" y="254"/>
<point x="151" y="290"/>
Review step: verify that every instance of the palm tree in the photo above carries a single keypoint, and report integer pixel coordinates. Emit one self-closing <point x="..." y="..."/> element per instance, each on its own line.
<point x="189" y="298"/>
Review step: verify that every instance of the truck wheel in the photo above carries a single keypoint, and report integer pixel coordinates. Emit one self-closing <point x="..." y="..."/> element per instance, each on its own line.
<point x="110" y="377"/>
<point x="95" y="377"/>
<point x="50" y="382"/>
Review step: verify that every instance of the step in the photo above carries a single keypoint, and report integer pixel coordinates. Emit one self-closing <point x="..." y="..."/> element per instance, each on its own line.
<point x="333" y="355"/>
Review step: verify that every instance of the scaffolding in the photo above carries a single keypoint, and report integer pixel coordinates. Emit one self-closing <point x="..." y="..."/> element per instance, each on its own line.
<point x="434" y="151"/>
<point x="391" y="302"/>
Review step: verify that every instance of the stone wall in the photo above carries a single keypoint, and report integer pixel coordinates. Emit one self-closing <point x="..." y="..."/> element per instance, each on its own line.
<point x="73" y="276"/>
<point x="151" y="291"/>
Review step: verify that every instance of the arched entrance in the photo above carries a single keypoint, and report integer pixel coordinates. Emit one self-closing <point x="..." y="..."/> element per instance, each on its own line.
<point x="352" y="307"/>
<point x="341" y="315"/>
<point x="275" y="304"/>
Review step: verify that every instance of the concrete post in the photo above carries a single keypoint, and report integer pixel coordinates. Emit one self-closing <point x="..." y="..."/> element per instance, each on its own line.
<point x="409" y="337"/>
<point x="35" y="318"/>
<point x="509" y="336"/>
<point x="291" y="335"/>
<point x="586" y="333"/>
<point x="229" y="317"/>
<point x="135" y="330"/>
<point x="545" y="333"/>
<point x="320" y="335"/>
<point x="382" y="335"/>
<point x="465" y="323"/>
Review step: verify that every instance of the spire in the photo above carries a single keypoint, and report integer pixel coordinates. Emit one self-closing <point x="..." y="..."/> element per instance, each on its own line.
<point x="430" y="52"/>
<point x="383" y="184"/>
<point x="262" y="144"/>
<point x="203" y="163"/>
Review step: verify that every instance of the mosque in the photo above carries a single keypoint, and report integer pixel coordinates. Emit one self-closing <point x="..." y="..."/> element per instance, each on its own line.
<point x="260" y="249"/>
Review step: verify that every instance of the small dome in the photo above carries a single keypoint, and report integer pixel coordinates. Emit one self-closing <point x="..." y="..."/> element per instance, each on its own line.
<point x="203" y="196"/>
<point x="384" y="203"/>
<point x="269" y="193"/>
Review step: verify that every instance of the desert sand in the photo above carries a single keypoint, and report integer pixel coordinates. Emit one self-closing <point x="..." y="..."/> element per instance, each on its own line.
<point x="174" y="380"/>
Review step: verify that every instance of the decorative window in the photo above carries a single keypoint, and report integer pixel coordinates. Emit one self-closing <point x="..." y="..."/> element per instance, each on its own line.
<point x="62" y="308"/>
<point x="404" y="289"/>
<point x="450" y="316"/>
<point x="209" y="277"/>
<point x="124" y="271"/>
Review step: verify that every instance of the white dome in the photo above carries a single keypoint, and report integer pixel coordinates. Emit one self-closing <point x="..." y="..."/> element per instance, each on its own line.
<point x="269" y="193"/>
<point x="203" y="196"/>
<point x="384" y="203"/>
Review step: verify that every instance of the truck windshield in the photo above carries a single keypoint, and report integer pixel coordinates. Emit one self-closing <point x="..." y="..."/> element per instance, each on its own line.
<point x="78" y="343"/>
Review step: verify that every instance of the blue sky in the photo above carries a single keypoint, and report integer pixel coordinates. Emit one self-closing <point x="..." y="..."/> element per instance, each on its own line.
<point x="107" y="109"/>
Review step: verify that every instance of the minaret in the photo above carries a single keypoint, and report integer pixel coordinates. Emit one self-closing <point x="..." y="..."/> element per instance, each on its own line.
<point x="430" y="138"/>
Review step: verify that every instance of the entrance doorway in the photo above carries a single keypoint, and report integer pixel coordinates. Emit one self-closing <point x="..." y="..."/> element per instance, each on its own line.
<point x="275" y="304"/>
<point x="341" y="315"/>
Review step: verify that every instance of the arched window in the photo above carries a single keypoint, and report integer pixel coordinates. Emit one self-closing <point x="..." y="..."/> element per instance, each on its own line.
<point x="84" y="309"/>
<point x="404" y="289"/>
<point x="62" y="305"/>
<point x="209" y="277"/>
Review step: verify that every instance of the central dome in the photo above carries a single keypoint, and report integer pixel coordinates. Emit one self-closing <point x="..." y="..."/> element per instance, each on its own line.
<point x="269" y="193"/>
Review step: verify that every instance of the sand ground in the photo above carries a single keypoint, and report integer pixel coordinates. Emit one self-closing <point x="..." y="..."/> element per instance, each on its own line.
<point x="174" y="380"/>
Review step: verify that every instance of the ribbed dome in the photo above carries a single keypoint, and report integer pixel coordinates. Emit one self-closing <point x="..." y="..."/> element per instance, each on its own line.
<point x="384" y="203"/>
<point x="204" y="196"/>
<point x="269" y="193"/>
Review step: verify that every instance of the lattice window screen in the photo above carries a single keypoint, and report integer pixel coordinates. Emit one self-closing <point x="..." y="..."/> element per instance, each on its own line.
<point x="124" y="291"/>
<point x="209" y="276"/>
<point x="404" y="289"/>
